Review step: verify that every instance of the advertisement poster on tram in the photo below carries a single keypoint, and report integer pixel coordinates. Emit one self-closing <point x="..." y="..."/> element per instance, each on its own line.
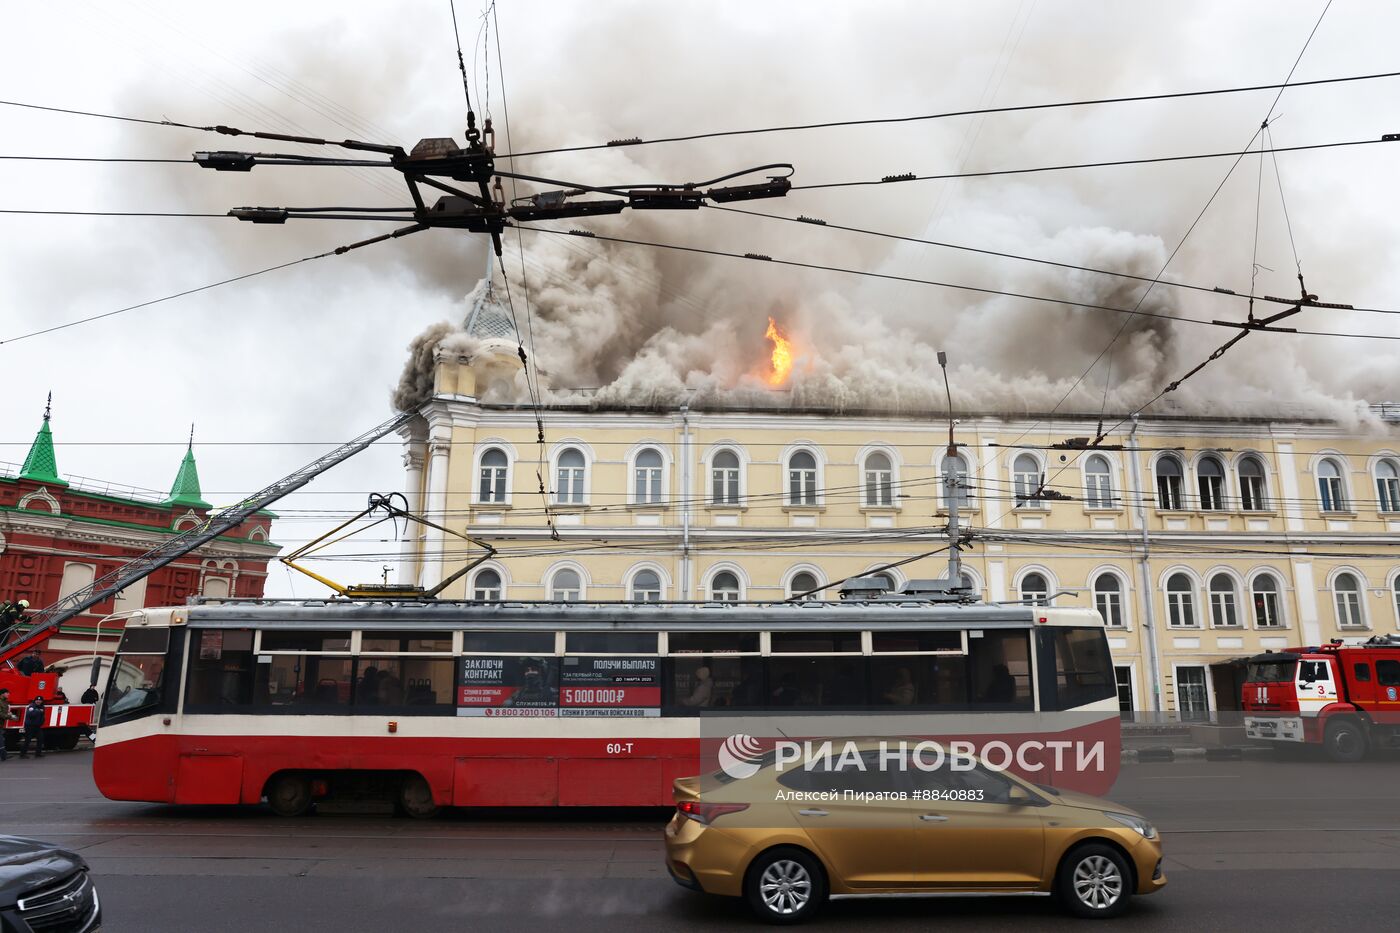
<point x="508" y="686"/>
<point x="610" y="686"/>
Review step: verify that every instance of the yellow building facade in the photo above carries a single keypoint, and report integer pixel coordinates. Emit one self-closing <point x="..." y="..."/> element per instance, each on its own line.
<point x="1201" y="541"/>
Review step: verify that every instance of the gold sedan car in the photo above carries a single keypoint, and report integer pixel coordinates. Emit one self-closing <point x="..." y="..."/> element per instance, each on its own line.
<point x="789" y="839"/>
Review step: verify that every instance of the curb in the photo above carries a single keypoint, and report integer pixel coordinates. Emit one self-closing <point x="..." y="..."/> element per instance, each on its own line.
<point x="1161" y="754"/>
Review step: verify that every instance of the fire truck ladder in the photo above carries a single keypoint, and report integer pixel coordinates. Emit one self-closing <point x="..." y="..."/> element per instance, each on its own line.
<point x="46" y="622"/>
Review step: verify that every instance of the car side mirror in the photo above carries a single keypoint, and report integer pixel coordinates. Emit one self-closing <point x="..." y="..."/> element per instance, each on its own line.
<point x="1019" y="797"/>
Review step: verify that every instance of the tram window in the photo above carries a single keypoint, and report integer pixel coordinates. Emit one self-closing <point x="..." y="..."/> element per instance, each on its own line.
<point x="393" y="682"/>
<point x="816" y="643"/>
<point x="717" y="642"/>
<point x="907" y="642"/>
<point x="221" y="671"/>
<point x="815" y="683"/>
<point x="534" y="643"/>
<point x="406" y="642"/>
<point x="137" y="683"/>
<point x="610" y="642"/>
<point x="303" y="681"/>
<point x="1083" y="669"/>
<point x="919" y="681"/>
<point x="305" y="641"/>
<point x="696" y="683"/>
<point x="999" y="665"/>
<point x="145" y="641"/>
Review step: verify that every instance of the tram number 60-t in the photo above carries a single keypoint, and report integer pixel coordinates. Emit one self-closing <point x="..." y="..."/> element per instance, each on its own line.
<point x="619" y="748"/>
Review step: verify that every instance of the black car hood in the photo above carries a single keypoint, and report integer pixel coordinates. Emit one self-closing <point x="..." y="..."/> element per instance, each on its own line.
<point x="26" y="864"/>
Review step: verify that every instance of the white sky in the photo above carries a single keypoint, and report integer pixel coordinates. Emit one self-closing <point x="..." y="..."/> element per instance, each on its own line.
<point x="274" y="370"/>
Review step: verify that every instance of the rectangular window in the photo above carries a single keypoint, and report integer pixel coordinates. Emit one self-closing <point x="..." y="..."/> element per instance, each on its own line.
<point x="713" y="643"/>
<point x="815" y="643"/>
<point x="570" y="488"/>
<point x="696" y="683"/>
<point x="1110" y="606"/>
<point x="1266" y="614"/>
<point x="1099" y="494"/>
<point x="305" y="641"/>
<point x="406" y="642"/>
<point x="1082" y="667"/>
<point x="1362" y="672"/>
<point x="1330" y="488"/>
<point x="802" y="487"/>
<point x="145" y="641"/>
<point x="920" y="642"/>
<point x="1181" y="610"/>
<point x="303" y="682"/>
<point x="1222" y="609"/>
<point x="1169" y="493"/>
<point x="922" y="681"/>
<point x="221" y="672"/>
<point x="999" y="669"/>
<point x="1123" y="678"/>
<point x="648" y="486"/>
<point x="1388" y="488"/>
<point x="147" y="663"/>
<point x="878" y="491"/>
<point x="726" y="487"/>
<point x="1252" y="493"/>
<point x="1191" y="698"/>
<point x="610" y="642"/>
<point x="1028" y="487"/>
<point x="493" y="484"/>
<point x="397" y="682"/>
<point x="1388" y="673"/>
<point x="816" y="682"/>
<point x="1349" y="609"/>
<point x="508" y="642"/>
<point x="1212" y="489"/>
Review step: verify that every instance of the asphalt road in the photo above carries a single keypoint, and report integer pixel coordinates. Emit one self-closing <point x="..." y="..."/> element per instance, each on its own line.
<point x="1296" y="845"/>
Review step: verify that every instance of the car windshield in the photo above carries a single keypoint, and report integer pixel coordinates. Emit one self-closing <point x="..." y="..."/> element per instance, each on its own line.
<point x="1271" y="672"/>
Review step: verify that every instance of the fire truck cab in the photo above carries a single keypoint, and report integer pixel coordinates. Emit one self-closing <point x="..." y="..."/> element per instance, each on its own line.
<point x="1345" y="698"/>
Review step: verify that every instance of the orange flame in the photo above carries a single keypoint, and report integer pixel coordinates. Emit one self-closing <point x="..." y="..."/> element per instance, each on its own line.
<point x="781" y="357"/>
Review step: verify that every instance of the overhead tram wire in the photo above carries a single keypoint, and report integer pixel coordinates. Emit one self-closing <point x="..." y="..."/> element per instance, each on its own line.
<point x="877" y="121"/>
<point x="756" y="257"/>
<point x="813" y="222"/>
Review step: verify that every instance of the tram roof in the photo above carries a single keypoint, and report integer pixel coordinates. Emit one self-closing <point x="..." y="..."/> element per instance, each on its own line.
<point x="445" y="615"/>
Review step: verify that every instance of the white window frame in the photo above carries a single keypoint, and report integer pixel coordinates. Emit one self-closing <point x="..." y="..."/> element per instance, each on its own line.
<point x="1208" y="682"/>
<point x="1121" y="594"/>
<point x="1051" y="588"/>
<point x="662" y="579"/>
<point x="1211" y="490"/>
<point x="1258" y="497"/>
<point x="1335" y="487"/>
<point x="1131" y="668"/>
<point x="790" y="588"/>
<point x="738" y="591"/>
<point x="812" y="497"/>
<point x="503" y="475"/>
<point x="1024" y="483"/>
<point x="1233" y="603"/>
<point x="1281" y="619"/>
<point x="553" y="576"/>
<point x="732" y="479"/>
<point x="1187" y="606"/>
<point x="654" y="479"/>
<point x="500" y="577"/>
<point x="1362" y="623"/>
<point x="579" y="475"/>
<point x="1098" y="487"/>
<point x="1387" y="487"/>
<point x="881" y="482"/>
<point x="1174" y="499"/>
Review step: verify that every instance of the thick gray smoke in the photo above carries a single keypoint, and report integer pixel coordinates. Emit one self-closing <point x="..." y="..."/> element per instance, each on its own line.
<point x="623" y="324"/>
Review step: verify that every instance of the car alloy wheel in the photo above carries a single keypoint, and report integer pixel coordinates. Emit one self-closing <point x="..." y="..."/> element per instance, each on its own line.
<point x="786" y="887"/>
<point x="1098" y="883"/>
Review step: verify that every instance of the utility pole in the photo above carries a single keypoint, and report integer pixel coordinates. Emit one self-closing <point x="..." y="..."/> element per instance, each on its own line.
<point x="951" y="487"/>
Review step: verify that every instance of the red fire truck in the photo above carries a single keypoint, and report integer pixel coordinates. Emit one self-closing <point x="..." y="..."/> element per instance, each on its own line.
<point x="64" y="723"/>
<point x="1343" y="697"/>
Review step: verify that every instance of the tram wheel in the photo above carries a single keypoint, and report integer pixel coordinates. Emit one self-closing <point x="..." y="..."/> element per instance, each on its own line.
<point x="416" y="798"/>
<point x="289" y="795"/>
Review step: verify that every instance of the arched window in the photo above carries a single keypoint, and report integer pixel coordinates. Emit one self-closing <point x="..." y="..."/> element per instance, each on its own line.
<point x="494" y="466"/>
<point x="487" y="587"/>
<point x="803" y="582"/>
<point x="1387" y="486"/>
<point x="571" y="469"/>
<point x="1346" y="594"/>
<point x="1025" y="470"/>
<point x="1098" y="488"/>
<point x="1181" y="601"/>
<point x="724" y="587"/>
<point x="1266" y="606"/>
<point x="802" y="479"/>
<point x="1395" y="589"/>
<point x="1329" y="487"/>
<point x="724" y="478"/>
<point x="1035" y="589"/>
<point x="1252" y="497"/>
<point x="1210" y="484"/>
<point x="216" y="587"/>
<point x="1169" y="484"/>
<point x="1108" y="599"/>
<point x="956" y="468"/>
<point x="1222" y="601"/>
<point x="566" y="587"/>
<point x="879" y="480"/>
<point x="647" y="487"/>
<point x="646" y="587"/>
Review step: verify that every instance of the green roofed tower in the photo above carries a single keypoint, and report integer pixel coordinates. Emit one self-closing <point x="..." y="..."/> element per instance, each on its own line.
<point x="41" y="465"/>
<point x="185" y="490"/>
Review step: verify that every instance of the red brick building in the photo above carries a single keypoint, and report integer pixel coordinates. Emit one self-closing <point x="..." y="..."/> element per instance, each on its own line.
<point x="57" y="535"/>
